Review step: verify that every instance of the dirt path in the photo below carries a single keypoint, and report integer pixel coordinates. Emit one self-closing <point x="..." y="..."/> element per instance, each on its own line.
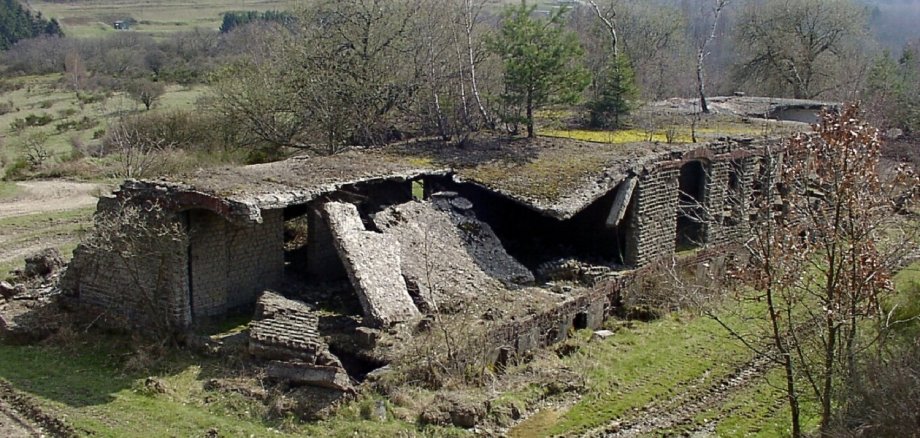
<point x="682" y="409"/>
<point x="48" y="196"/>
<point x="21" y="417"/>
<point x="14" y="425"/>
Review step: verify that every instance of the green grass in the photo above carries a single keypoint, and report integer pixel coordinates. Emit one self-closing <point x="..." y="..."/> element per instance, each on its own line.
<point x="650" y="363"/>
<point x="614" y="137"/>
<point x="63" y="228"/>
<point x="86" y="385"/>
<point x="8" y="190"/>
<point x="89" y="386"/>
<point x="36" y="93"/>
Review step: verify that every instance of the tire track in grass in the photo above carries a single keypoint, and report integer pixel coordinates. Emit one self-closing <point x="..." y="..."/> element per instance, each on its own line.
<point x="681" y="410"/>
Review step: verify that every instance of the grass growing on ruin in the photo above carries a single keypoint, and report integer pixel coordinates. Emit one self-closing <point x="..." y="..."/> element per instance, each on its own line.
<point x="614" y="137"/>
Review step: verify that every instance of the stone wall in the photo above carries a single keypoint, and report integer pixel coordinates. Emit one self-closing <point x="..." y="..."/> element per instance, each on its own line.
<point x="182" y="266"/>
<point x="141" y="280"/>
<point x="653" y="221"/>
<point x="232" y="264"/>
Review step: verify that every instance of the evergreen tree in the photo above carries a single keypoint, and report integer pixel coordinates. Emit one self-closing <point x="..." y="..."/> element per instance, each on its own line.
<point x="542" y="62"/>
<point x="616" y="90"/>
<point x="17" y="23"/>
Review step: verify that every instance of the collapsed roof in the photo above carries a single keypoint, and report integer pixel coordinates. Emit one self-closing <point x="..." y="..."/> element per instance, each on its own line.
<point x="553" y="176"/>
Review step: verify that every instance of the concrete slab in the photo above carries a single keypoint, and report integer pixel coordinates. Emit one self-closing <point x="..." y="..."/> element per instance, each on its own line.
<point x="372" y="261"/>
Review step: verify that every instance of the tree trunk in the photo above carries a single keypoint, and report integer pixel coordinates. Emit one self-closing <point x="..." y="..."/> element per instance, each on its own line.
<point x="702" y="84"/>
<point x="701" y="54"/>
<point x="470" y="22"/>
<point x="530" y="130"/>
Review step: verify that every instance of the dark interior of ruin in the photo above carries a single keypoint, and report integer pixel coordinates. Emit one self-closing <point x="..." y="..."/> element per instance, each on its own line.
<point x="691" y="186"/>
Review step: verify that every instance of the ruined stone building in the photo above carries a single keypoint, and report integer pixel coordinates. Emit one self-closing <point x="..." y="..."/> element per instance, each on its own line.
<point x="494" y="213"/>
<point x="347" y="254"/>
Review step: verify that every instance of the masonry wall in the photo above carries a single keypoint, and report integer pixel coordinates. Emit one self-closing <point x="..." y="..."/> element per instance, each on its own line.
<point x="141" y="280"/>
<point x="729" y="206"/>
<point x="653" y="221"/>
<point x="232" y="264"/>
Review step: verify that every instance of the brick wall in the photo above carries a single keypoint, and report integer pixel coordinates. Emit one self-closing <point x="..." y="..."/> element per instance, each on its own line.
<point x="231" y="264"/>
<point x="653" y="221"/>
<point x="148" y="288"/>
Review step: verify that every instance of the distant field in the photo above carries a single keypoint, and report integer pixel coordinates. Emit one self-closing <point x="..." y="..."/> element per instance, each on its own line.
<point x="95" y="17"/>
<point x="43" y="96"/>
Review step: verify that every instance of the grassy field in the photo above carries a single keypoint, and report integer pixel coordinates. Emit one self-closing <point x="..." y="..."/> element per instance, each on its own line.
<point x="93" y="18"/>
<point x="61" y="230"/>
<point x="72" y="121"/>
<point x="93" y="386"/>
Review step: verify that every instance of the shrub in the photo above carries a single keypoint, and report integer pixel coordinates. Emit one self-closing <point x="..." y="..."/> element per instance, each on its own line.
<point x="66" y="112"/>
<point x="79" y="125"/>
<point x="31" y="120"/>
<point x="18" y="169"/>
<point x="90" y="98"/>
<point x="6" y="107"/>
<point x="883" y="399"/>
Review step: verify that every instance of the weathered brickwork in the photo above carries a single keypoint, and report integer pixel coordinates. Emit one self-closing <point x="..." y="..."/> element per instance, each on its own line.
<point x="231" y="264"/>
<point x="654" y="219"/>
<point x="285" y="329"/>
<point x="137" y="282"/>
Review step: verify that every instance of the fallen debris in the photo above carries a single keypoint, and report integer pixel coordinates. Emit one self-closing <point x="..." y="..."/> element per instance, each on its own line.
<point x="303" y="373"/>
<point x="438" y="263"/>
<point x="372" y="261"/>
<point x="44" y="263"/>
<point x="601" y="335"/>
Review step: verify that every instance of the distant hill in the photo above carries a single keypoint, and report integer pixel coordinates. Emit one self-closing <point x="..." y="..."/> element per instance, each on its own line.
<point x="17" y="23"/>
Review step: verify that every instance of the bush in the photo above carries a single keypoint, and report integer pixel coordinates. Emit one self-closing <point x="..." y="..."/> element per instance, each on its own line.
<point x="33" y="120"/>
<point x="6" y="107"/>
<point x="79" y="125"/>
<point x="18" y="169"/>
<point x="90" y="98"/>
<point x="883" y="399"/>
<point x="66" y="112"/>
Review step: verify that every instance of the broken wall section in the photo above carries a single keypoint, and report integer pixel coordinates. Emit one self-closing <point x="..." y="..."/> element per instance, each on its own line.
<point x="443" y="256"/>
<point x="654" y="219"/>
<point x="136" y="270"/>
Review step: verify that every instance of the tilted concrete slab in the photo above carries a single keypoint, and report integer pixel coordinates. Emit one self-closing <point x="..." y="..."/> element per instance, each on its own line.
<point x="372" y="261"/>
<point x="621" y="202"/>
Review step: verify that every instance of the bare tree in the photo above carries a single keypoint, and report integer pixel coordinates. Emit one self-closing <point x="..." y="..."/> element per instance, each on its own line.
<point x="703" y="52"/>
<point x="137" y="152"/>
<point x="797" y="43"/>
<point x="820" y="254"/>
<point x="143" y="239"/>
<point x="607" y="17"/>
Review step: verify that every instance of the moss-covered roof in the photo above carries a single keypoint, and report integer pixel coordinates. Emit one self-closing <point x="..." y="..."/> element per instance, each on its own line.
<point x="558" y="177"/>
